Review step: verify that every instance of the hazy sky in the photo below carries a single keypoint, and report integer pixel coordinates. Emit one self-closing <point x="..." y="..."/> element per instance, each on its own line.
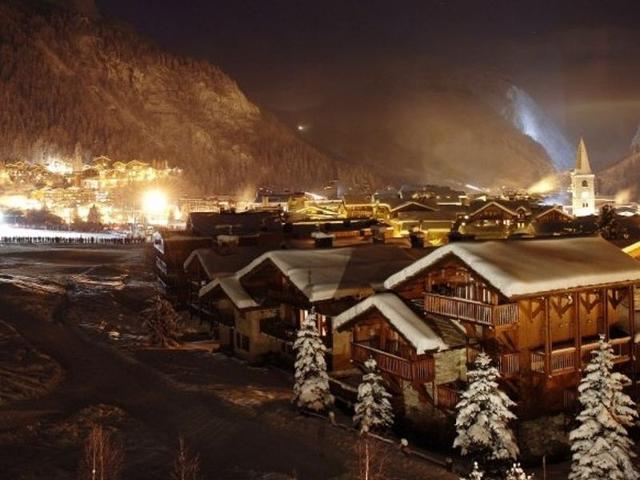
<point x="578" y="58"/>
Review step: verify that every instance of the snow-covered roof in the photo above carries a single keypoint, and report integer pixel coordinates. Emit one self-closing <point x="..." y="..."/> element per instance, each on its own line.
<point x="555" y="208"/>
<point x="527" y="267"/>
<point x="216" y="264"/>
<point x="334" y="273"/>
<point x="411" y="326"/>
<point x="233" y="289"/>
<point x="493" y="203"/>
<point x="421" y="206"/>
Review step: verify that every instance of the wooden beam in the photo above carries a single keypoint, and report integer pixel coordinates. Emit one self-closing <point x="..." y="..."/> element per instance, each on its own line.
<point x="605" y="311"/>
<point x="578" y="329"/>
<point x="632" y="332"/>
<point x="547" y="338"/>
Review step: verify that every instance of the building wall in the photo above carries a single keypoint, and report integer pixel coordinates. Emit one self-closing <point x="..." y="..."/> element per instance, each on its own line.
<point x="450" y="365"/>
<point x="248" y="325"/>
<point x="342" y="351"/>
<point x="583" y="194"/>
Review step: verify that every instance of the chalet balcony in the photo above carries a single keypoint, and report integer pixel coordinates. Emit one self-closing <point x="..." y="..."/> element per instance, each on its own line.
<point x="278" y="328"/>
<point x="621" y="350"/>
<point x="418" y="370"/>
<point x="471" y="310"/>
<point x="447" y="397"/>
<point x="562" y="361"/>
<point x="508" y="364"/>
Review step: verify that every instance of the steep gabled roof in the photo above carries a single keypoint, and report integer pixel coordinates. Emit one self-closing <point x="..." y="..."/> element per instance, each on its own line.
<point x="495" y="204"/>
<point x="526" y="267"/>
<point x="233" y="290"/>
<point x="334" y="273"/>
<point x="215" y="264"/>
<point x="555" y="208"/>
<point x="582" y="159"/>
<point x="413" y="203"/>
<point x="411" y="326"/>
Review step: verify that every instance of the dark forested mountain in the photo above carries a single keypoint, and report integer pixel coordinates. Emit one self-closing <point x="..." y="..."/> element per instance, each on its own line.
<point x="79" y="87"/>
<point x="623" y="177"/>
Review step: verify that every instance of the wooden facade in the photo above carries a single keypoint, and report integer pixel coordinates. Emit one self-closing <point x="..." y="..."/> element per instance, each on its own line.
<point x="540" y="343"/>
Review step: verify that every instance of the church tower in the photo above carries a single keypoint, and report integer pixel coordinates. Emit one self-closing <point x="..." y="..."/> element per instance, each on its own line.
<point x="583" y="191"/>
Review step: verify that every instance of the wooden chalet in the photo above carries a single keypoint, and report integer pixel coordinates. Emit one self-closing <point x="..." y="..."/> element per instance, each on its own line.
<point x="536" y="306"/>
<point x="501" y="219"/>
<point x="170" y="251"/>
<point x="260" y="307"/>
<point x="416" y="353"/>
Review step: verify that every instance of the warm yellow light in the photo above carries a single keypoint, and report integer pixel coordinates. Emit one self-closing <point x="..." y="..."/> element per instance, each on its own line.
<point x="545" y="185"/>
<point x="20" y="202"/>
<point x="154" y="202"/>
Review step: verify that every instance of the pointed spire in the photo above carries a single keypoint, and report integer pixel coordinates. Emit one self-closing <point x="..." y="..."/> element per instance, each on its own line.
<point x="582" y="159"/>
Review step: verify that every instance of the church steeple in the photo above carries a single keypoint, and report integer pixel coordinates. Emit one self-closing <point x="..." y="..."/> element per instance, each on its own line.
<point x="583" y="182"/>
<point x="582" y="159"/>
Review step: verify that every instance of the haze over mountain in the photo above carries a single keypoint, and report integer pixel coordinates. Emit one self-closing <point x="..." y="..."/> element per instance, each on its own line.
<point x="440" y="125"/>
<point x="75" y="87"/>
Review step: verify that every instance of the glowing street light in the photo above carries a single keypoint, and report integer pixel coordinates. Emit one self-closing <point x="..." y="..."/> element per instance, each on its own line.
<point x="154" y="202"/>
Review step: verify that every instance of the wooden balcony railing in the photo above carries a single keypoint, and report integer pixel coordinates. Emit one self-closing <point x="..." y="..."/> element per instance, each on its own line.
<point x="509" y="364"/>
<point x="562" y="361"/>
<point x="621" y="350"/>
<point x="463" y="309"/>
<point x="419" y="370"/>
<point x="447" y="397"/>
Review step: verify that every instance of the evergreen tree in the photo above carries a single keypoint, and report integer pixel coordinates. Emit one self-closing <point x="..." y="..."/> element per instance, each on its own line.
<point x="476" y="473"/>
<point x="93" y="217"/>
<point x="161" y="321"/>
<point x="482" y="423"/>
<point x="373" y="409"/>
<point x="311" y="388"/>
<point x="516" y="473"/>
<point x="600" y="444"/>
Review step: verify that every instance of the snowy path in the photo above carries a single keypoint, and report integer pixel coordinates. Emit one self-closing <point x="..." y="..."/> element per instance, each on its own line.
<point x="234" y="442"/>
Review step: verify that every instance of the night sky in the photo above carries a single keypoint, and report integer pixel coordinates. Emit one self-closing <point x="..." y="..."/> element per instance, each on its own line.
<point x="578" y="59"/>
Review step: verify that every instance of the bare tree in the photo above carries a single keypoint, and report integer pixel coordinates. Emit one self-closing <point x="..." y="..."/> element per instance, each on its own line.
<point x="187" y="464"/>
<point x="161" y="321"/>
<point x="372" y="459"/>
<point x="103" y="456"/>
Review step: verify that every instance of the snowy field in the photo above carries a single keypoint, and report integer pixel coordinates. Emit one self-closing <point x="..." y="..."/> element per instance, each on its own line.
<point x="11" y="231"/>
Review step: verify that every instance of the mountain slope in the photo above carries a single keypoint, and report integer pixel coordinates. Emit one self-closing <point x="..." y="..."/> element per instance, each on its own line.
<point x="75" y="87"/>
<point x="437" y="126"/>
<point x="622" y="178"/>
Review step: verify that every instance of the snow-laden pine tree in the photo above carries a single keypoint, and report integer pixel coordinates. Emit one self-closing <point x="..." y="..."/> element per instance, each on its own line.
<point x="600" y="444"/>
<point x="311" y="388"/>
<point x="516" y="473"/>
<point x="373" y="409"/>
<point x="482" y="422"/>
<point x="476" y="473"/>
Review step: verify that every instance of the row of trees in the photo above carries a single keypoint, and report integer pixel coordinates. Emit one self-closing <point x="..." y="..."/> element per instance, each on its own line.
<point x="600" y="444"/>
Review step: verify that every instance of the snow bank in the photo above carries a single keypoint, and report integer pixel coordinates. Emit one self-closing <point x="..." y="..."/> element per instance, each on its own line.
<point x="11" y="231"/>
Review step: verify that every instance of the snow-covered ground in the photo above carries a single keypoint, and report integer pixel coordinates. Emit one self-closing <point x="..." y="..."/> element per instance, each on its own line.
<point x="13" y="231"/>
